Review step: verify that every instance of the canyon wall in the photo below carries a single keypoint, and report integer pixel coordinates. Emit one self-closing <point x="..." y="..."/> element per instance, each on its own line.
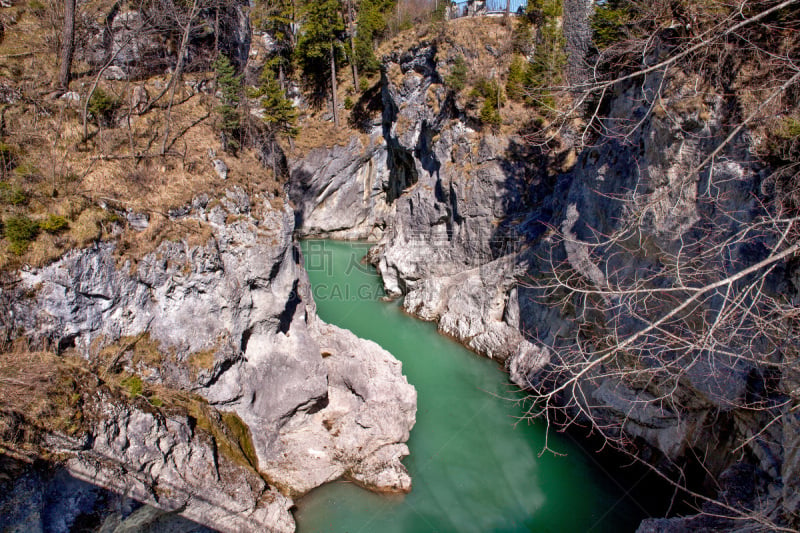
<point x="229" y="313"/>
<point x="463" y="224"/>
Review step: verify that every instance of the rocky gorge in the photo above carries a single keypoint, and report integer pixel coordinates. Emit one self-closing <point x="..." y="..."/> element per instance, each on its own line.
<point x="211" y="394"/>
<point x="464" y="222"/>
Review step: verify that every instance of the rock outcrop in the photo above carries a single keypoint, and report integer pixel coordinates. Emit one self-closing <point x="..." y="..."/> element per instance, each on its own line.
<point x="137" y="43"/>
<point x="164" y="463"/>
<point x="430" y="192"/>
<point x="230" y="312"/>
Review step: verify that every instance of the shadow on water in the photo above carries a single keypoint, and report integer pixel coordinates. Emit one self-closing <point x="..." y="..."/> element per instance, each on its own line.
<point x="43" y="496"/>
<point x="539" y="186"/>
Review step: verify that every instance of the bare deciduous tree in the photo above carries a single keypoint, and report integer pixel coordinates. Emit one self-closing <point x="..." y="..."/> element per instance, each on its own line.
<point x="67" y="45"/>
<point x="668" y="316"/>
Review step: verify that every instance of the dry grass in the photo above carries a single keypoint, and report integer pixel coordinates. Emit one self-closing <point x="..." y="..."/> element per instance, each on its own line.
<point x="43" y="394"/>
<point x="40" y="393"/>
<point x="91" y="181"/>
<point x="466" y="37"/>
<point x="65" y="176"/>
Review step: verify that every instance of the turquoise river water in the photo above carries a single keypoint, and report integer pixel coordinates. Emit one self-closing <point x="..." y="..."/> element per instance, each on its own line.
<point x="475" y="464"/>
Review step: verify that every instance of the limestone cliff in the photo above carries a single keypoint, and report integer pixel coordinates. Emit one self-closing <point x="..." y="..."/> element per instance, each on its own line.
<point x="230" y="319"/>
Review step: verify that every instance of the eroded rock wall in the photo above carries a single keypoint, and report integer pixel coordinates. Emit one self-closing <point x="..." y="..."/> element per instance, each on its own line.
<point x="466" y="214"/>
<point x="234" y="322"/>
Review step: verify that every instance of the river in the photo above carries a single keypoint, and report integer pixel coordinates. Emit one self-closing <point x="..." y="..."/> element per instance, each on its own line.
<point x="475" y="462"/>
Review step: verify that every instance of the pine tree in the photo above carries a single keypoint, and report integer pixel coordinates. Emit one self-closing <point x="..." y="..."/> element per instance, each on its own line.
<point x="279" y="114"/>
<point x="277" y="18"/>
<point x="319" y="46"/>
<point x="371" y="26"/>
<point x="230" y="85"/>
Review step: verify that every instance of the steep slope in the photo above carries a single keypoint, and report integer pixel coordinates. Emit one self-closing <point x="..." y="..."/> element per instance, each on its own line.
<point x="230" y="320"/>
<point x="160" y="341"/>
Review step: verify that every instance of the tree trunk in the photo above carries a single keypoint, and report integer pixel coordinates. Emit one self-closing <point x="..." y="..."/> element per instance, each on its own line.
<point x="352" y="44"/>
<point x="333" y="88"/>
<point x="176" y="76"/>
<point x="67" y="44"/>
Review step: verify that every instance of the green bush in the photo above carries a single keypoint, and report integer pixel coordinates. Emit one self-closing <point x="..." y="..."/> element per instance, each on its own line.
<point x="490" y="90"/>
<point x="789" y="128"/>
<point x="20" y="231"/>
<point x="490" y="115"/>
<point x="348" y="103"/>
<point x="102" y="106"/>
<point x="457" y="79"/>
<point x="522" y="37"/>
<point x="26" y="170"/>
<point x="133" y="385"/>
<point x="8" y="156"/>
<point x="54" y="224"/>
<point x="538" y="9"/>
<point x="608" y="23"/>
<point x="518" y="78"/>
<point x="12" y="194"/>
<point x="37" y="7"/>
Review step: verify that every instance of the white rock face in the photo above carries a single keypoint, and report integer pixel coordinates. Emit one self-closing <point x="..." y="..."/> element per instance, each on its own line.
<point x="163" y="463"/>
<point x="220" y="168"/>
<point x="320" y="403"/>
<point x="339" y="193"/>
<point x="361" y="431"/>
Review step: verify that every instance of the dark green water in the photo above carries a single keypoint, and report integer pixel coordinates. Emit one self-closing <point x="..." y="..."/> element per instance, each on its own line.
<point x="475" y="464"/>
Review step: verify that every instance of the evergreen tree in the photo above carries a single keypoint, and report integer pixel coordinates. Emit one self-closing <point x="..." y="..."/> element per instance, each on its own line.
<point x="549" y="57"/>
<point x="230" y="85"/>
<point x="277" y="18"/>
<point x="319" y="46"/>
<point x="371" y="26"/>
<point x="279" y="114"/>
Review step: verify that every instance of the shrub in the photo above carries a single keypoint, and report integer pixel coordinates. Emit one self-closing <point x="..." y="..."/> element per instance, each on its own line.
<point x="363" y="85"/>
<point x="54" y="224"/>
<point x="133" y="385"/>
<point x="490" y="115"/>
<point x="608" y="23"/>
<point x="37" y="7"/>
<point x="789" y="128"/>
<point x="348" y="103"/>
<point x="8" y="156"/>
<point x="12" y="195"/>
<point x="518" y="78"/>
<point x="20" y="231"/>
<point x="457" y="79"/>
<point x="102" y="106"/>
<point x="522" y="37"/>
<point x="26" y="170"/>
<point x="490" y="90"/>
